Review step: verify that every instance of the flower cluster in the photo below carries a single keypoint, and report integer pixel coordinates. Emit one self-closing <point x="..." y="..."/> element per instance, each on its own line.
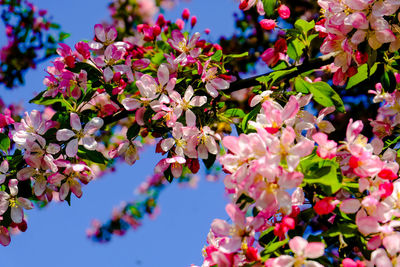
<point x="170" y="87"/>
<point x="349" y="27"/>
<point x="28" y="39"/>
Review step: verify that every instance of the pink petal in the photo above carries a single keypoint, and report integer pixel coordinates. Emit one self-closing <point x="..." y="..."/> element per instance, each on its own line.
<point x="314" y="250"/>
<point x="392" y="243"/>
<point x="25" y="173"/>
<point x="161" y="166"/>
<point x="220" y="227"/>
<point x="167" y="144"/>
<point x="190" y="118"/>
<point x="139" y="116"/>
<point x="385" y="36"/>
<point x="64" y="190"/>
<point x="230" y="245"/>
<point x="176" y="170"/>
<point x="75" y="188"/>
<point x="55" y="178"/>
<point x="291" y="108"/>
<point x="108" y="74"/>
<point x="111" y="34"/>
<point x="75" y="122"/>
<point x="4" y="236"/>
<point x="130" y="104"/>
<point x="100" y="33"/>
<point x="219" y="83"/>
<point x="4" y="166"/>
<point x="188" y="93"/>
<point x="72" y="148"/>
<point x="350" y="205"/>
<point x="64" y="134"/>
<point x="93" y="125"/>
<point x="4" y="197"/>
<point x="17" y="214"/>
<point x="163" y="74"/>
<point x="298" y="245"/>
<point x="211" y="90"/>
<point x="198" y="101"/>
<point x="283" y="261"/>
<point x="89" y="143"/>
<point x="25" y="203"/>
<point x="237" y="216"/>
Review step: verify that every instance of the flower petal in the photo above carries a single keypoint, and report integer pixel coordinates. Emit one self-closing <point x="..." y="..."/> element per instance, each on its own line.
<point x="72" y="148"/>
<point x="64" y="135"/>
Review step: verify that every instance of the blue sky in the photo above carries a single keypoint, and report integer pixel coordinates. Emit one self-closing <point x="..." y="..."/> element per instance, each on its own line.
<point x="56" y="234"/>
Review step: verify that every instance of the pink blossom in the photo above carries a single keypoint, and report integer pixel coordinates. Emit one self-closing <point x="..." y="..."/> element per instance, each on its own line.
<point x="268" y="24"/>
<point x="104" y="36"/>
<point x="284" y="11"/>
<point x="326" y="148"/>
<point x="16" y="203"/>
<point x="213" y="82"/>
<point x="78" y="134"/>
<point x="302" y="250"/>
<point x="184" y="46"/>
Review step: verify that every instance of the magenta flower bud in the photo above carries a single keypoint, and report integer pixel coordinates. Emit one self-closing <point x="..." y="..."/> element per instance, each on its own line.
<point x="42" y="12"/>
<point x="361" y="58"/>
<point x="397" y="76"/>
<point x="284" y="12"/>
<point x="161" y="20"/>
<point x="185" y="14"/>
<point x="207" y="31"/>
<point x="156" y="31"/>
<point x="9" y="30"/>
<point x="268" y="24"/>
<point x="193" y="21"/>
<point x="180" y="23"/>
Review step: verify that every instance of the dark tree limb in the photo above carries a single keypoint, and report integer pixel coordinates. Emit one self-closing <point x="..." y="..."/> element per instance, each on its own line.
<point x="304" y="67"/>
<point x="249" y="82"/>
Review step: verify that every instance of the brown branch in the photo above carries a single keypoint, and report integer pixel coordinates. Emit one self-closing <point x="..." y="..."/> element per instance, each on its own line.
<point x="249" y="82"/>
<point x="304" y="67"/>
<point x="122" y="114"/>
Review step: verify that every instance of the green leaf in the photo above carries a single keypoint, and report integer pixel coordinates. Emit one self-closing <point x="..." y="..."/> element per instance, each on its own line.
<point x="158" y="58"/>
<point x="4" y="142"/>
<point x="300" y="85"/>
<point x="304" y="26"/>
<point x="320" y="171"/>
<point x="270" y="248"/>
<point x="217" y="56"/>
<point x="280" y="66"/>
<point x="325" y="95"/>
<point x="235" y="112"/>
<point x="94" y="156"/>
<point x="209" y="162"/>
<point x="251" y="115"/>
<point x="272" y="77"/>
<point x="63" y="35"/>
<point x="133" y="131"/>
<point x="168" y="175"/>
<point x="361" y="75"/>
<point x="93" y="74"/>
<point x="245" y="54"/>
<point x="269" y="7"/>
<point x="347" y="229"/>
<point x="295" y="49"/>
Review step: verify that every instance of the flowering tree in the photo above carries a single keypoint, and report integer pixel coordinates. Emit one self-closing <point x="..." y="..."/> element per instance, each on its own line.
<point x="313" y="178"/>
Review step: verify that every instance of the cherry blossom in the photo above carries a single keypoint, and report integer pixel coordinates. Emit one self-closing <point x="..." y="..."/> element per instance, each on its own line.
<point x="81" y="135"/>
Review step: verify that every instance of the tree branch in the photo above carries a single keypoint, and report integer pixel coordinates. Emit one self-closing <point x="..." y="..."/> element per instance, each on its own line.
<point x="304" y="67"/>
<point x="249" y="82"/>
<point x="122" y="114"/>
